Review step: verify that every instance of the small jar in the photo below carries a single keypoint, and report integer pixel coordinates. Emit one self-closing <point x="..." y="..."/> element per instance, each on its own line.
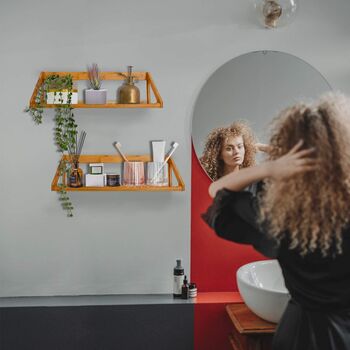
<point x="113" y="180"/>
<point x="192" y="290"/>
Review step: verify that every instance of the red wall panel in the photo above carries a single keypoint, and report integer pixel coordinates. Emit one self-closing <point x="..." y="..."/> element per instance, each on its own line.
<point x="214" y="261"/>
<point x="211" y="327"/>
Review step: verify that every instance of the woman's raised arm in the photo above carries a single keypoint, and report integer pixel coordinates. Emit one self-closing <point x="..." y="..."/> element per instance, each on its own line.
<point x="294" y="162"/>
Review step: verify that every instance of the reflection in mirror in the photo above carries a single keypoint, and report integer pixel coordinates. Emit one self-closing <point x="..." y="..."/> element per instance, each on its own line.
<point x="228" y="149"/>
<point x="253" y="87"/>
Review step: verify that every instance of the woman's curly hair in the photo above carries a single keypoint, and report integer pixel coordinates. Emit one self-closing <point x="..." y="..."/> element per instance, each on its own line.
<point x="211" y="158"/>
<point x="311" y="209"/>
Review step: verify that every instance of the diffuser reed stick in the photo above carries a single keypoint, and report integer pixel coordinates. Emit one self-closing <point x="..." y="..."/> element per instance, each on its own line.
<point x="75" y="151"/>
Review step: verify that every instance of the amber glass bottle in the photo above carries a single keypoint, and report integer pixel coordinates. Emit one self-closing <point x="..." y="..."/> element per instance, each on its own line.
<point x="75" y="176"/>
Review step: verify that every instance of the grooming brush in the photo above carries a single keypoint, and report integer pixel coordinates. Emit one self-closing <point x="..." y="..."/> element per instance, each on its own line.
<point x="117" y="146"/>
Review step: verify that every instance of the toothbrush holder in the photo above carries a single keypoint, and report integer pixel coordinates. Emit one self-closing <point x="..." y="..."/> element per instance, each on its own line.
<point x="133" y="173"/>
<point x="157" y="174"/>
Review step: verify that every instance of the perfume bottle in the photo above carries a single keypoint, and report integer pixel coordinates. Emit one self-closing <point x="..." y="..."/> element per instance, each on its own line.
<point x="128" y="93"/>
<point x="75" y="176"/>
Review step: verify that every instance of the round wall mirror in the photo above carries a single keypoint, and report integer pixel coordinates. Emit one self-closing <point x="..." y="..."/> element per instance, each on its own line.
<point x="253" y="87"/>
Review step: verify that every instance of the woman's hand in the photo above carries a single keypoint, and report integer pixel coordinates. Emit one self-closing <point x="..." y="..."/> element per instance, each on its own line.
<point x="292" y="163"/>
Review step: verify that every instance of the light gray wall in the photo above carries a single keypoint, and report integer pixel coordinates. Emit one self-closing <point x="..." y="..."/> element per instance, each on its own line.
<point x="124" y="242"/>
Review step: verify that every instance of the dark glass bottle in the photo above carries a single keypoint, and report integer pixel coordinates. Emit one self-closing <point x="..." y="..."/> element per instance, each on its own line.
<point x="184" y="289"/>
<point x="75" y="176"/>
<point x="178" y="279"/>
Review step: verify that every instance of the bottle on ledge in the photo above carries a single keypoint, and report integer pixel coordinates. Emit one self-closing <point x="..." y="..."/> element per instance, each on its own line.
<point x="178" y="279"/>
<point x="184" y="289"/>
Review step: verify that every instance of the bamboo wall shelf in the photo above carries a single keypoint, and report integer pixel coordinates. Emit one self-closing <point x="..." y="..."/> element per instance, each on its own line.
<point x="151" y="90"/>
<point x="172" y="168"/>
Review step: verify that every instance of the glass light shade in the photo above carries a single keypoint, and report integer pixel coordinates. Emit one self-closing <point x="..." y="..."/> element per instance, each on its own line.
<point x="275" y="13"/>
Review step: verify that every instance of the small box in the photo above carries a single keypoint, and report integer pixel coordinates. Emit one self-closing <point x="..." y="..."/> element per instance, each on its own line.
<point x="95" y="180"/>
<point x="96" y="168"/>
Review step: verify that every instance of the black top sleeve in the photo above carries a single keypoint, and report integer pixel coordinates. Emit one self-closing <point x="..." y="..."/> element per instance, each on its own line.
<point x="233" y="216"/>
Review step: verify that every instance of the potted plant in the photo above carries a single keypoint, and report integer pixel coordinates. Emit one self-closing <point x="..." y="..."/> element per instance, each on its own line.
<point x="65" y="130"/>
<point x="95" y="95"/>
<point x="59" y="89"/>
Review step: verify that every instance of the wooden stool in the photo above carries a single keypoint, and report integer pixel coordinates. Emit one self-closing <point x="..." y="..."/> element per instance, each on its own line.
<point x="250" y="332"/>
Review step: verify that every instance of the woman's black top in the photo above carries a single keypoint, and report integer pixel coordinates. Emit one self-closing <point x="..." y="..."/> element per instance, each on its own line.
<point x="318" y="315"/>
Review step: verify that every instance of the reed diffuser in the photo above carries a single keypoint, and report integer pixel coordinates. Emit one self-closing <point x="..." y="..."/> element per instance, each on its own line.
<point x="76" y="173"/>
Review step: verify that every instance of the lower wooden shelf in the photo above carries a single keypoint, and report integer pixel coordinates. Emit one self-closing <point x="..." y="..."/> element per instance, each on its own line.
<point x="172" y="170"/>
<point x="123" y="189"/>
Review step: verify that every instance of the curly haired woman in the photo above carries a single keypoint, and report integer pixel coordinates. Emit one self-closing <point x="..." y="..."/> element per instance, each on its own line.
<point x="229" y="149"/>
<point x="301" y="217"/>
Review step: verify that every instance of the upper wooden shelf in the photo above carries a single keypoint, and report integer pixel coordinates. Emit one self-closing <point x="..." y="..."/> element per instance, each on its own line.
<point x="151" y="90"/>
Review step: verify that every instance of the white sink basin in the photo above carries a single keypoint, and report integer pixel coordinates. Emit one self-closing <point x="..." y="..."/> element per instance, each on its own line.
<point x="262" y="288"/>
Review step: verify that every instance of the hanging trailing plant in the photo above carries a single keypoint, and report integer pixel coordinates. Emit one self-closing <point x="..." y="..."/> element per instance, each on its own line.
<point x="65" y="130"/>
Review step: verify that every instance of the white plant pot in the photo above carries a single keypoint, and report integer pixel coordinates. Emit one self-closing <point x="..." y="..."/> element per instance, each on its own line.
<point x="95" y="97"/>
<point x="54" y="97"/>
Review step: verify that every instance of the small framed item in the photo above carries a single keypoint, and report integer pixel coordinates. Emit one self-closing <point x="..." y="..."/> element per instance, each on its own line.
<point x="96" y="168"/>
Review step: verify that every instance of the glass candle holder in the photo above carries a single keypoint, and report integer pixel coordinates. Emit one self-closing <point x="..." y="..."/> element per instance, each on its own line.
<point x="157" y="174"/>
<point x="133" y="173"/>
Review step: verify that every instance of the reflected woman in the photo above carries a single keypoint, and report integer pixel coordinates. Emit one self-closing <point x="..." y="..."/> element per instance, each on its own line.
<point x="229" y="149"/>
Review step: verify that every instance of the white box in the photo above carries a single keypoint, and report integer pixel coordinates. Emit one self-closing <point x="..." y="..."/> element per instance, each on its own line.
<point x="95" y="180"/>
<point x="54" y="98"/>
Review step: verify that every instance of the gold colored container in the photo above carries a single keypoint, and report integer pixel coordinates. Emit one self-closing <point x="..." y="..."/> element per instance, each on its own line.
<point x="128" y="93"/>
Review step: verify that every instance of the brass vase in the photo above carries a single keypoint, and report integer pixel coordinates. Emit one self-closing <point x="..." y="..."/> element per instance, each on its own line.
<point x="128" y="93"/>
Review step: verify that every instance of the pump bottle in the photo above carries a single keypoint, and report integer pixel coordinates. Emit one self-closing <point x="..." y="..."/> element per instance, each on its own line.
<point x="178" y="279"/>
